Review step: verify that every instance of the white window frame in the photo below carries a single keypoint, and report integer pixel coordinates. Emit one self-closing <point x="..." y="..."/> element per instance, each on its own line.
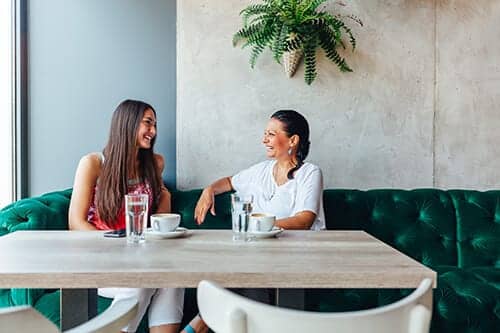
<point x="7" y="188"/>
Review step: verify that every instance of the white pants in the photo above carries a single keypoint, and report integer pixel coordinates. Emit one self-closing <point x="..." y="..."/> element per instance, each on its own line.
<point x="165" y="304"/>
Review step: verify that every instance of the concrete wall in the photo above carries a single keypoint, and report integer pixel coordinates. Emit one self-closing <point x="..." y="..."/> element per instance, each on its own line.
<point x="86" y="56"/>
<point x="468" y="94"/>
<point x="418" y="111"/>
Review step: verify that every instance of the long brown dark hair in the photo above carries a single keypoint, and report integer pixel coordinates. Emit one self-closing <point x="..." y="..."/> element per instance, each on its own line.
<point x="120" y="161"/>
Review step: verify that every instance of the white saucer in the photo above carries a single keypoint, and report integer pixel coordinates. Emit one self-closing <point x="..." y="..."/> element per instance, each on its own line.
<point x="179" y="232"/>
<point x="267" y="234"/>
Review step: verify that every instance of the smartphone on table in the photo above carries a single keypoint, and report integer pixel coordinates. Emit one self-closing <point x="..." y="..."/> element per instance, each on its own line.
<point x="116" y="233"/>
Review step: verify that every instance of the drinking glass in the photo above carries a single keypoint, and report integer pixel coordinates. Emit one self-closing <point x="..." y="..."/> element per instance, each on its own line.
<point x="136" y="216"/>
<point x="241" y="208"/>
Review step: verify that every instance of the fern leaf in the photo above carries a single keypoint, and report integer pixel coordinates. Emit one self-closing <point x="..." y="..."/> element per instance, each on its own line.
<point x="293" y="43"/>
<point x="261" y="19"/>
<point x="328" y="35"/>
<point x="327" y="38"/>
<point x="348" y="31"/>
<point x="247" y="32"/>
<point x="352" y="40"/>
<point x="264" y="37"/>
<point x="355" y="19"/>
<point x="338" y="25"/>
<point x="316" y="3"/>
<point x="310" y="60"/>
<point x="333" y="55"/>
<point x="328" y="44"/>
<point x="253" y="10"/>
<point x="279" y="42"/>
<point x="303" y="7"/>
<point x="341" y="42"/>
<point x="256" y="51"/>
<point x="258" y="33"/>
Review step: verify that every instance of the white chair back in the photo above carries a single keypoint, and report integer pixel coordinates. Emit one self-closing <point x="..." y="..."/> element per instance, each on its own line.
<point x="27" y="319"/>
<point x="226" y="312"/>
<point x="112" y="320"/>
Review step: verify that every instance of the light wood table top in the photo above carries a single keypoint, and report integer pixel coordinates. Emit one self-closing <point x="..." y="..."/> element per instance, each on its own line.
<point x="296" y="259"/>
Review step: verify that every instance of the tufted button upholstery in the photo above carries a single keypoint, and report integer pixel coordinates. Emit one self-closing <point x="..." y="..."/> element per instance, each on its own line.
<point x="47" y="212"/>
<point x="403" y="219"/>
<point x="457" y="233"/>
<point x="468" y="300"/>
<point x="478" y="227"/>
<point x="184" y="202"/>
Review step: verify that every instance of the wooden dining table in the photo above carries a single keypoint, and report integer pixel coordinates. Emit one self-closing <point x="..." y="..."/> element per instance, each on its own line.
<point x="77" y="261"/>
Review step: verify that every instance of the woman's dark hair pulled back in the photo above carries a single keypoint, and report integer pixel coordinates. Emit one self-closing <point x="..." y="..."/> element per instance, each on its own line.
<point x="295" y="124"/>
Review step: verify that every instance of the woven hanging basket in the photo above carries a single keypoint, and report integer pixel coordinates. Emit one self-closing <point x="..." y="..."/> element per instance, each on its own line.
<point x="291" y="60"/>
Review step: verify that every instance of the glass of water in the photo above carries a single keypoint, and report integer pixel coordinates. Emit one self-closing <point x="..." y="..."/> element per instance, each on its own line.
<point x="136" y="216"/>
<point x="241" y="208"/>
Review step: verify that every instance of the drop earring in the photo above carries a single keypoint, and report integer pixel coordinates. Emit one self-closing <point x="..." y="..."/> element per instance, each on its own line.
<point x="290" y="151"/>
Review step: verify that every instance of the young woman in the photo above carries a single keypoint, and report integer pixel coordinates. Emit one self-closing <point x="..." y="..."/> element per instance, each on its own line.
<point x="285" y="185"/>
<point x="127" y="164"/>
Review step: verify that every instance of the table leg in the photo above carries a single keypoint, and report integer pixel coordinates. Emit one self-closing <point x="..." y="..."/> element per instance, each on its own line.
<point x="77" y="306"/>
<point x="290" y="298"/>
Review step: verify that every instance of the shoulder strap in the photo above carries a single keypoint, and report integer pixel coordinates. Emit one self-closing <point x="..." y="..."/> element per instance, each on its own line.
<point x="101" y="156"/>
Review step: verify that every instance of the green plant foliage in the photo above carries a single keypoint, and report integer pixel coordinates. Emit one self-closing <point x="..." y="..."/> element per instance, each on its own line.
<point x="287" y="25"/>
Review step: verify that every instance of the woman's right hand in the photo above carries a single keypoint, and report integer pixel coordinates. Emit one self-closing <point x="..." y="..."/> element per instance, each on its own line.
<point x="205" y="203"/>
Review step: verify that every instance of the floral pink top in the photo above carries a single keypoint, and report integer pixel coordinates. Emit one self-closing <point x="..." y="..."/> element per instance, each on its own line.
<point x="134" y="187"/>
<point x="93" y="215"/>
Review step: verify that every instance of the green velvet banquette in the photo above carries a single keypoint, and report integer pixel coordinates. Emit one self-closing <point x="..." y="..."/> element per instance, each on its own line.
<point x="454" y="232"/>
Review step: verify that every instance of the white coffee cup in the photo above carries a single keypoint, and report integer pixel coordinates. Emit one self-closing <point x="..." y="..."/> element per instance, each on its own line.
<point x="165" y="222"/>
<point x="261" y="222"/>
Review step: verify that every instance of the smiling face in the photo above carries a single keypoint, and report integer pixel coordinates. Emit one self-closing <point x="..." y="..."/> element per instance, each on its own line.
<point x="276" y="140"/>
<point x="147" y="129"/>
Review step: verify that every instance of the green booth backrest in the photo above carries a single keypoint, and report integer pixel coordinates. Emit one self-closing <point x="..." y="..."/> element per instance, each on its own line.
<point x="456" y="227"/>
<point x="46" y="212"/>
<point x="420" y="223"/>
<point x="478" y="227"/>
<point x="184" y="202"/>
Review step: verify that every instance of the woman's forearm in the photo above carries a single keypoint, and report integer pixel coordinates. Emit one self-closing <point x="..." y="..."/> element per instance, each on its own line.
<point x="80" y="224"/>
<point x="301" y="221"/>
<point x="221" y="186"/>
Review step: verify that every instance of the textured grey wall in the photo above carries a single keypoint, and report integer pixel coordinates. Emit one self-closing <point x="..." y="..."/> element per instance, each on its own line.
<point x="86" y="56"/>
<point x="468" y="94"/>
<point x="418" y="111"/>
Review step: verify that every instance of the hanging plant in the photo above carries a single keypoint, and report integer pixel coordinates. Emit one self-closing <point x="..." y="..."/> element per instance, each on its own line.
<point x="293" y="29"/>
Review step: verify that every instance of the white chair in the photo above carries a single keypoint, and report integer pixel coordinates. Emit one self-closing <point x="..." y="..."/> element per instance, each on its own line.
<point x="27" y="319"/>
<point x="226" y="312"/>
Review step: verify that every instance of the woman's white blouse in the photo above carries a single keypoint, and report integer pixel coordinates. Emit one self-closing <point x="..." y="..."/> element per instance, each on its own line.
<point x="302" y="193"/>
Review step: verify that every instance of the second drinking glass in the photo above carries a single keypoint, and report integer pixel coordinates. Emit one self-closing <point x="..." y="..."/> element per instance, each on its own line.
<point x="241" y="208"/>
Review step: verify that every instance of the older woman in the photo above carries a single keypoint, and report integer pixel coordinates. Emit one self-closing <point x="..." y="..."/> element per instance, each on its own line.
<point x="285" y="185"/>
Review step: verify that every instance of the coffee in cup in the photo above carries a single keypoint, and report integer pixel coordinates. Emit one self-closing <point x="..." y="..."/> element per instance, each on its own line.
<point x="165" y="222"/>
<point x="261" y="222"/>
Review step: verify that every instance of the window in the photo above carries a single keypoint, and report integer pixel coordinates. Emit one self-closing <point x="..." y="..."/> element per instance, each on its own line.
<point x="6" y="103"/>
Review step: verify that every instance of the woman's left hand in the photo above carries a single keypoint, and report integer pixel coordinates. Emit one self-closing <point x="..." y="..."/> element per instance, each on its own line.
<point x="204" y="204"/>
